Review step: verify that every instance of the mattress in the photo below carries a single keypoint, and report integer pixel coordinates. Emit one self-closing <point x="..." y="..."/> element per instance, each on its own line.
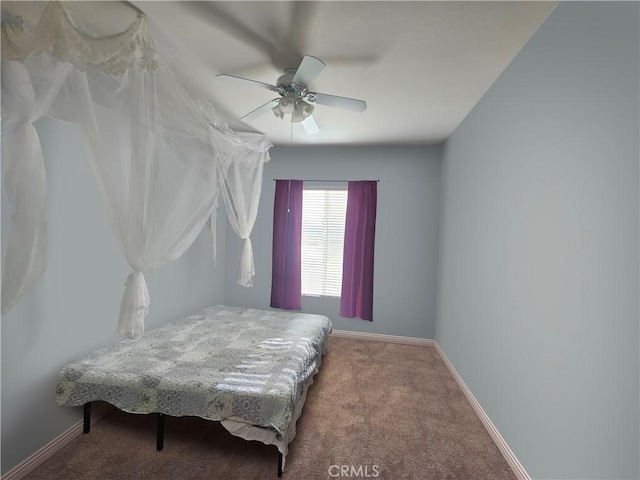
<point x="245" y="367"/>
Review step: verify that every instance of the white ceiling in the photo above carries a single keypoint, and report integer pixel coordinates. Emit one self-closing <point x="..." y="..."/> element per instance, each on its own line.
<point x="421" y="66"/>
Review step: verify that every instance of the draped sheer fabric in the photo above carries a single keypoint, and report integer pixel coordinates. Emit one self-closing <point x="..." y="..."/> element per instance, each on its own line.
<point x="26" y="97"/>
<point x="57" y="33"/>
<point x="160" y="158"/>
<point x="241" y="180"/>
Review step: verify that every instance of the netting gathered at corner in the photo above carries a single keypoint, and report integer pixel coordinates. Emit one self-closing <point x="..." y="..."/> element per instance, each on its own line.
<point x="175" y="154"/>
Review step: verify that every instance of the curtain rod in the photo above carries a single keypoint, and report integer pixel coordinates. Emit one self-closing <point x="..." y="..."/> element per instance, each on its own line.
<point x="325" y="181"/>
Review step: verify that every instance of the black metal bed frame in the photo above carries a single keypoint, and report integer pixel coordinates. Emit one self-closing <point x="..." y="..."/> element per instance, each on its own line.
<point x="159" y="432"/>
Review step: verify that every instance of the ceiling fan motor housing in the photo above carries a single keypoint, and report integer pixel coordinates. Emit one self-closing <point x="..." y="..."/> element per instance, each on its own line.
<point x="286" y="78"/>
<point x="286" y="86"/>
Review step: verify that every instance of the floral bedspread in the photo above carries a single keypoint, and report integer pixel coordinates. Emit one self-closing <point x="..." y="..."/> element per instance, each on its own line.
<point x="226" y="362"/>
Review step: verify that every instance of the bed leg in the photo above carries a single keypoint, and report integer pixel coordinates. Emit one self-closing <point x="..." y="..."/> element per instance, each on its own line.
<point x="87" y="418"/>
<point x="160" y="433"/>
<point x="279" y="463"/>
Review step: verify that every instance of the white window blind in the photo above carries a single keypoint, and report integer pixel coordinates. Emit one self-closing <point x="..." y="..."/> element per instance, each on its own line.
<point x="324" y="212"/>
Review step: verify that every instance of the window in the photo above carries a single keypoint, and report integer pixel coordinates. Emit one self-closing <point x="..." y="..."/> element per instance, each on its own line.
<point x="315" y="232"/>
<point x="323" y="219"/>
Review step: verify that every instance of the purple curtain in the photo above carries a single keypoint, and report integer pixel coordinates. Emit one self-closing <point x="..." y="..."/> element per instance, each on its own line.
<point x="356" y="299"/>
<point x="286" y="274"/>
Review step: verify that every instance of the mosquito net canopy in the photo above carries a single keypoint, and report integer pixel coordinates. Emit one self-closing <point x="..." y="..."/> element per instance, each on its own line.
<point x="160" y="157"/>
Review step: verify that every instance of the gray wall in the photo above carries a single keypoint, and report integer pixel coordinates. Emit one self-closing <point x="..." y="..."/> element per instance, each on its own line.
<point x="538" y="280"/>
<point x="74" y="307"/>
<point x="405" y="271"/>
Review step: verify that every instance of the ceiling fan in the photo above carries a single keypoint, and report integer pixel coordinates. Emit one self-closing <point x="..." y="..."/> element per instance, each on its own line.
<point x="295" y="97"/>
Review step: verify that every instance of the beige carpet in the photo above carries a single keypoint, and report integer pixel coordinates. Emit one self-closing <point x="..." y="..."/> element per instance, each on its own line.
<point x="376" y="410"/>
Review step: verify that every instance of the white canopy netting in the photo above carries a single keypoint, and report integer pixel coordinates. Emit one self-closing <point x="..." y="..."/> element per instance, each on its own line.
<point x="160" y="158"/>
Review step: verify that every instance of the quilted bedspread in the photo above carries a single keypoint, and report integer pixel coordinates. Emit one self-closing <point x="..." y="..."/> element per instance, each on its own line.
<point x="226" y="362"/>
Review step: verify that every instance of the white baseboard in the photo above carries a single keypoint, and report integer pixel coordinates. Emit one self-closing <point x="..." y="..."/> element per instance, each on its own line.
<point x="507" y="453"/>
<point x="36" y="459"/>
<point x="377" y="337"/>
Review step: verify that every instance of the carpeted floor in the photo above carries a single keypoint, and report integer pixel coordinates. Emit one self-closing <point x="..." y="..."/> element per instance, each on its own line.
<point x="376" y="410"/>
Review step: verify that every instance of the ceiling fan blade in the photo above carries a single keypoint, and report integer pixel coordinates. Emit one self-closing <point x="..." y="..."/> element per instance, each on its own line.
<point x="309" y="68"/>
<point x="340" y="102"/>
<point x="228" y="19"/>
<point x="255" y="83"/>
<point x="310" y="125"/>
<point x="261" y="110"/>
<point x="267" y="36"/>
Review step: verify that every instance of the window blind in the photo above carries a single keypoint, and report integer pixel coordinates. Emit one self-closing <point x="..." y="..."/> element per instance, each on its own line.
<point x="323" y="220"/>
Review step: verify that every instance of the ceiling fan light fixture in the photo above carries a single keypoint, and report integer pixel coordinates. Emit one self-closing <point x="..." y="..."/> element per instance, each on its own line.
<point x="301" y="112"/>
<point x="299" y="109"/>
<point x="284" y="106"/>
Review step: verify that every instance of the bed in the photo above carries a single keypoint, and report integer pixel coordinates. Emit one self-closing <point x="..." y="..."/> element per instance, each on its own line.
<point x="249" y="369"/>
